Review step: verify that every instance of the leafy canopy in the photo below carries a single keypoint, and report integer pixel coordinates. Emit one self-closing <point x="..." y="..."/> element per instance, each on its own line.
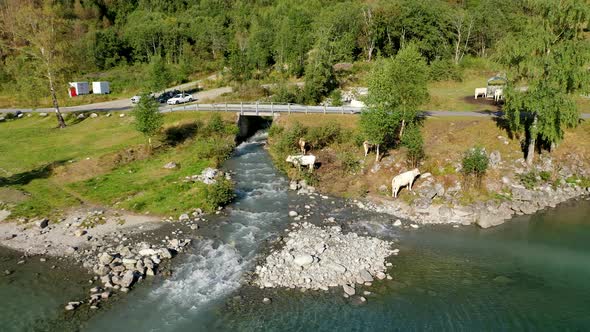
<point x="148" y="119"/>
<point x="550" y="55"/>
<point x="397" y="86"/>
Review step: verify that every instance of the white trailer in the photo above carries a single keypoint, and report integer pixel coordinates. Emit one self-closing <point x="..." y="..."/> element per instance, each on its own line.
<point x="100" y="88"/>
<point x="79" y="88"/>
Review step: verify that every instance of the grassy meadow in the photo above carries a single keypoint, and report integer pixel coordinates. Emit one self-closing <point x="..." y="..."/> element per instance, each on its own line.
<point x="103" y="161"/>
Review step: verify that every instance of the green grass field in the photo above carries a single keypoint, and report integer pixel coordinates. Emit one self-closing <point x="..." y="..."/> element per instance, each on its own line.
<point x="103" y="161"/>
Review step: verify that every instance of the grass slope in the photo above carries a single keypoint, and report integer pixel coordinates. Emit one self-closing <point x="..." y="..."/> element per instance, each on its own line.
<point x="103" y="161"/>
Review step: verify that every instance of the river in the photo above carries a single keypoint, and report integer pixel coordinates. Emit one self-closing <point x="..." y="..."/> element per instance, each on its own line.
<point x="528" y="274"/>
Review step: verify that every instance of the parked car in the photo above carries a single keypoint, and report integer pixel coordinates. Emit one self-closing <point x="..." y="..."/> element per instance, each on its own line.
<point x="180" y="98"/>
<point x="135" y="99"/>
<point x="163" y="98"/>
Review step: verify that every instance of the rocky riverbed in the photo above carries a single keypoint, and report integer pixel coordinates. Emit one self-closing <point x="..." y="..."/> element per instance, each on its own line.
<point x="321" y="257"/>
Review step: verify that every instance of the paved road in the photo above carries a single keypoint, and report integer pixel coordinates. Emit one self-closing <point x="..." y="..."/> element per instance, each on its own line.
<point x="255" y="108"/>
<point x="121" y="104"/>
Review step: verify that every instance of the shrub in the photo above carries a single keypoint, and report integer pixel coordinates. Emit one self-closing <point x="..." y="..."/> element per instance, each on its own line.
<point x="336" y="97"/>
<point x="215" y="125"/>
<point x="349" y="161"/>
<point x="529" y="180"/>
<point x="475" y="164"/>
<point x="414" y="142"/>
<point x="545" y="176"/>
<point x="443" y="70"/>
<point x="219" y="193"/>
<point x="320" y="137"/>
<point x="286" y="94"/>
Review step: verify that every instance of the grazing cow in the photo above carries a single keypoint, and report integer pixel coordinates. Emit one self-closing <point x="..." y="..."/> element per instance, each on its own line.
<point x="404" y="179"/>
<point x="302" y="145"/>
<point x="481" y="92"/>
<point x="302" y="160"/>
<point x="367" y="146"/>
<point x="498" y="95"/>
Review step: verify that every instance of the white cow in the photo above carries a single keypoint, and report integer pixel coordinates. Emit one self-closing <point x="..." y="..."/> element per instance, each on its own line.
<point x="301" y="160"/>
<point x="480" y="92"/>
<point x="498" y="95"/>
<point x="404" y="179"/>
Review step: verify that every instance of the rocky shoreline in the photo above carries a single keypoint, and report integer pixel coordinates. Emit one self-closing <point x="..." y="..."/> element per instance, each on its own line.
<point x="317" y="258"/>
<point x="118" y="250"/>
<point x="519" y="201"/>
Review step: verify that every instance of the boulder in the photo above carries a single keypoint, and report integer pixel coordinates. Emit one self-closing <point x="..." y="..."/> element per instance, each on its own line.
<point x="43" y="114"/>
<point x="486" y="220"/>
<point x="266" y="300"/>
<point x="170" y="165"/>
<point x="105" y="258"/>
<point x="184" y="217"/>
<point x="102" y="270"/>
<point x="521" y="194"/>
<point x="94" y="115"/>
<point x="348" y="290"/>
<point x="397" y="223"/>
<point x="495" y="159"/>
<point x="293" y="214"/>
<point x="127" y="280"/>
<point x="303" y="260"/>
<point x="122" y="115"/>
<point x="42" y="223"/>
<point x="148" y="252"/>
<point x="365" y="275"/>
<point x="80" y="116"/>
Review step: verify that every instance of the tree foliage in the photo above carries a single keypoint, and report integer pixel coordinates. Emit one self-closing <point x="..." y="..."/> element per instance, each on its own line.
<point x="550" y="55"/>
<point x="148" y="119"/>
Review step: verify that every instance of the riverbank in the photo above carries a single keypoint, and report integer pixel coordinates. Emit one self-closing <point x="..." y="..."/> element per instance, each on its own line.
<point x="441" y="194"/>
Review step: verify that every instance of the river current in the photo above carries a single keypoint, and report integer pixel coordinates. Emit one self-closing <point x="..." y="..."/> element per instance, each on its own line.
<point x="529" y="274"/>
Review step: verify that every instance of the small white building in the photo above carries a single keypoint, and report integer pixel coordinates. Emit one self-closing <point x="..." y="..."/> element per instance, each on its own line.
<point x="79" y="88"/>
<point x="101" y="88"/>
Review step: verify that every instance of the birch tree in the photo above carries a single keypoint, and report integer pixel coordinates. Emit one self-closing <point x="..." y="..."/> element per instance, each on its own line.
<point x="35" y="30"/>
<point x="551" y="56"/>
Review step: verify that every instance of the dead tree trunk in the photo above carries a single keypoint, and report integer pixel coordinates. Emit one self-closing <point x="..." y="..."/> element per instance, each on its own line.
<point x="60" y="118"/>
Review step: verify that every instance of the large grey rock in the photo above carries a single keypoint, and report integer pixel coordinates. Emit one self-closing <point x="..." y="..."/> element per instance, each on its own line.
<point x="94" y="115"/>
<point x="348" y="290"/>
<point x="170" y="165"/>
<point x="487" y="220"/>
<point x="495" y="159"/>
<point x="127" y="279"/>
<point x="522" y="194"/>
<point x="105" y="258"/>
<point x="303" y="260"/>
<point x="365" y="275"/>
<point x="43" y="115"/>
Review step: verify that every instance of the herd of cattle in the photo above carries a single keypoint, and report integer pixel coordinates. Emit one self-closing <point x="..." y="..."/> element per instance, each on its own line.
<point x="405" y="179"/>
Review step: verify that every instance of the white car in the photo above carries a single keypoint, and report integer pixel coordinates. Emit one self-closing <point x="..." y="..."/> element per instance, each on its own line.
<point x="180" y="99"/>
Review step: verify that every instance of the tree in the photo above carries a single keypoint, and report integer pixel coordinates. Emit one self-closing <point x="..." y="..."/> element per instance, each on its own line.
<point x="148" y="119"/>
<point x="159" y="75"/>
<point x="36" y="30"/>
<point x="550" y="55"/>
<point x="398" y="86"/>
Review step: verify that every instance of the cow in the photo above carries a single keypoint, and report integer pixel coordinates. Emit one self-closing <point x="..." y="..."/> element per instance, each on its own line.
<point x="302" y="146"/>
<point x="368" y="146"/>
<point x="498" y="95"/>
<point x="404" y="179"/>
<point x="480" y="92"/>
<point x="302" y="160"/>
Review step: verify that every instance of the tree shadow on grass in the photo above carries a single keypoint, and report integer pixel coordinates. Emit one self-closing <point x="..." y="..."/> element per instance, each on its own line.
<point x="178" y="134"/>
<point x="23" y="178"/>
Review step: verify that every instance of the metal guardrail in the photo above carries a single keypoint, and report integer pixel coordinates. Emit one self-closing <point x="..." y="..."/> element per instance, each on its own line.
<point x="264" y="108"/>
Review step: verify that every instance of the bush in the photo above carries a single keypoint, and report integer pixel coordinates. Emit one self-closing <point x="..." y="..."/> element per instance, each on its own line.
<point x="215" y="125"/>
<point x="545" y="176"/>
<point x="320" y="137"/>
<point x="336" y="97"/>
<point x="284" y="142"/>
<point x="413" y="141"/>
<point x="529" y="180"/>
<point x="285" y="94"/>
<point x="443" y="70"/>
<point x="219" y="193"/>
<point x="349" y="161"/>
<point x="475" y="164"/>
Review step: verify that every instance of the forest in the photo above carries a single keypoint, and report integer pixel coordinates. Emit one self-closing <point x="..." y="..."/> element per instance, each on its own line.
<point x="248" y="39"/>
